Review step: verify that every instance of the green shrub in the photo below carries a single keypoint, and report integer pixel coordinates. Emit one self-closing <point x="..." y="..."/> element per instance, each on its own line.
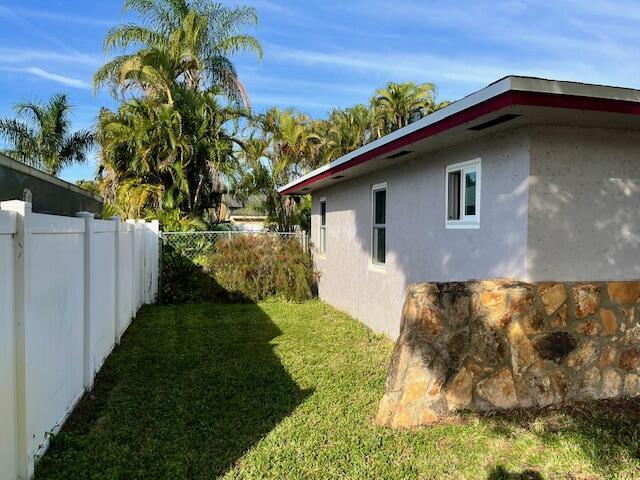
<point x="183" y="280"/>
<point x="253" y="268"/>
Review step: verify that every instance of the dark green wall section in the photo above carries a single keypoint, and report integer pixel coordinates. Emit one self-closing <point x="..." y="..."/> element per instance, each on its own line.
<point x="48" y="194"/>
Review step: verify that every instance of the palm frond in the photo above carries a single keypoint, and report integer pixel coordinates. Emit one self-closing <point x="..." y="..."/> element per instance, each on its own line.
<point x="127" y="35"/>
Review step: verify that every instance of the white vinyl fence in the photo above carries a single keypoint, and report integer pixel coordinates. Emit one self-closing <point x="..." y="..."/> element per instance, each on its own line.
<point x="69" y="288"/>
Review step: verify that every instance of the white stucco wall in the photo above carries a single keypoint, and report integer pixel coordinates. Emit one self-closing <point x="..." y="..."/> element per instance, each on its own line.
<point x="419" y="248"/>
<point x="584" y="215"/>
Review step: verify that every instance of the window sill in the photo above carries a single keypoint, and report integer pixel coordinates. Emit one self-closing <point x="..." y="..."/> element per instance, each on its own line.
<point x="377" y="267"/>
<point x="462" y="226"/>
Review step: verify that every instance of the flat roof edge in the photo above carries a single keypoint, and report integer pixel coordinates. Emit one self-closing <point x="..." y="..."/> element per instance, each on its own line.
<point x="516" y="84"/>
<point x="479" y="96"/>
<point x="34" y="172"/>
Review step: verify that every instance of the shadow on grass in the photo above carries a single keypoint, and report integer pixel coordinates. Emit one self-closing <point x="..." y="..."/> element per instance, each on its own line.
<point x="606" y="431"/>
<point x="190" y="389"/>
<point x="501" y="473"/>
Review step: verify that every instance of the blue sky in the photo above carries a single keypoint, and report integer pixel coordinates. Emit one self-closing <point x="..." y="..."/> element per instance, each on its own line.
<point x="320" y="55"/>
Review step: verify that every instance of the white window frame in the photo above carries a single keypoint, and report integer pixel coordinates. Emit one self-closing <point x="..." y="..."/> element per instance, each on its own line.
<point x="375" y="226"/>
<point x="322" y="229"/>
<point x="465" y="221"/>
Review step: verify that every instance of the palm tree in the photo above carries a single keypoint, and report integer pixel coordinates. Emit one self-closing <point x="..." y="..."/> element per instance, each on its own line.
<point x="40" y="135"/>
<point x="283" y="147"/>
<point x="185" y="42"/>
<point x="293" y="139"/>
<point x="346" y="131"/>
<point x="399" y="104"/>
<point x="392" y="107"/>
<point x="160" y="155"/>
<point x="263" y="172"/>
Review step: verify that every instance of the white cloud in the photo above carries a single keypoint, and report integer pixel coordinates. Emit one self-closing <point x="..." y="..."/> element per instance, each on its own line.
<point x="285" y="83"/>
<point x="25" y="56"/>
<point x="572" y="29"/>
<point x="289" y="101"/>
<point x="618" y="9"/>
<point x="35" y="31"/>
<point x="274" y="7"/>
<point x="301" y="16"/>
<point x="457" y="75"/>
<point x="397" y="66"/>
<point x="65" y="18"/>
<point x="61" y="79"/>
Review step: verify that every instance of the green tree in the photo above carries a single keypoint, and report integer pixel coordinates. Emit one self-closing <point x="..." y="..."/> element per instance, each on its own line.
<point x="391" y="108"/>
<point x="169" y="148"/>
<point x="89" y="185"/>
<point x="399" y="104"/>
<point x="346" y="131"/>
<point x="276" y="153"/>
<point x="157" y="156"/>
<point x="40" y="135"/>
<point x="179" y="42"/>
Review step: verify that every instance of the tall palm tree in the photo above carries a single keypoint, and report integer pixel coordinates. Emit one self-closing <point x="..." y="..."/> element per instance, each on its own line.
<point x="347" y="130"/>
<point x="167" y="156"/>
<point x="263" y="171"/>
<point x="398" y="104"/>
<point x="282" y="148"/>
<point x="40" y="135"/>
<point x="179" y="41"/>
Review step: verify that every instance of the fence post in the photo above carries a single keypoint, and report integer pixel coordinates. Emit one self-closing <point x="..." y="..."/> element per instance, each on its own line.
<point x="155" y="261"/>
<point x="89" y="235"/>
<point x="142" y="261"/>
<point x="160" y="265"/>
<point x="132" y="230"/>
<point x="116" y="300"/>
<point x="22" y="258"/>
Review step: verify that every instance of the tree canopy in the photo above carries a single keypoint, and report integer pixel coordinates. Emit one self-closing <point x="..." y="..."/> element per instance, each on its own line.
<point x="178" y="43"/>
<point x="184" y="133"/>
<point x="41" y="135"/>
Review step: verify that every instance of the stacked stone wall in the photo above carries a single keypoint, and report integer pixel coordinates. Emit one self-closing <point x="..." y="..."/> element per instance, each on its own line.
<point x="501" y="344"/>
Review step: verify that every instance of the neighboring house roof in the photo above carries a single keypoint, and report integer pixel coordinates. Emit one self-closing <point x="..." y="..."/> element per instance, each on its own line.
<point x="510" y="102"/>
<point x="46" y="193"/>
<point x="248" y="218"/>
<point x="252" y="206"/>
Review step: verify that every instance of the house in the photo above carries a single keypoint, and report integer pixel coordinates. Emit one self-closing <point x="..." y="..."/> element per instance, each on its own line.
<point x="46" y="193"/>
<point x="247" y="215"/>
<point x="529" y="179"/>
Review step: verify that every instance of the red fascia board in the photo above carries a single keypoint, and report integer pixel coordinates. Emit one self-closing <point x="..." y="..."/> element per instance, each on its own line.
<point x="506" y="99"/>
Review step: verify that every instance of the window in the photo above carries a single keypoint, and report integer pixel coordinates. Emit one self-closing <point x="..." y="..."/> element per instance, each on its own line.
<point x="323" y="226"/>
<point x="379" y="223"/>
<point x="463" y="195"/>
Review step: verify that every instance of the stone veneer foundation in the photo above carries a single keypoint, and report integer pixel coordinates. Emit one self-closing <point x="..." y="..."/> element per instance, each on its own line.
<point x="493" y="345"/>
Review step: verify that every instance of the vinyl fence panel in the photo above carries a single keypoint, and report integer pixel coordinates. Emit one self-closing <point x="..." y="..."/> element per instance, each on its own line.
<point x="54" y="323"/>
<point x="69" y="288"/>
<point x="138" y="259"/>
<point x="151" y="259"/>
<point x="103" y="291"/>
<point x="8" y="412"/>
<point x="125" y="278"/>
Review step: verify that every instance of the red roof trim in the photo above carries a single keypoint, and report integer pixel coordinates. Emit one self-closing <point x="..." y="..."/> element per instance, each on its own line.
<point x="496" y="103"/>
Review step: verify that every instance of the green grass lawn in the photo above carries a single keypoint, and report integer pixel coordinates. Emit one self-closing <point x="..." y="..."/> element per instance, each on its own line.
<point x="278" y="390"/>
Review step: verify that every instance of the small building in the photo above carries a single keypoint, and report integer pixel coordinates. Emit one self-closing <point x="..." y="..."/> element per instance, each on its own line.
<point x="46" y="193"/>
<point x="528" y="179"/>
<point x="247" y="215"/>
